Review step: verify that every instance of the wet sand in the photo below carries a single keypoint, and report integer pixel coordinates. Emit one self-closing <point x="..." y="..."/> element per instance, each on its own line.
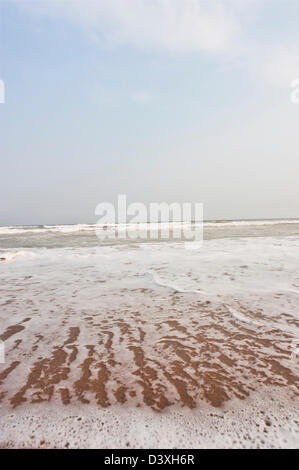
<point x="167" y="359"/>
<point x="85" y="341"/>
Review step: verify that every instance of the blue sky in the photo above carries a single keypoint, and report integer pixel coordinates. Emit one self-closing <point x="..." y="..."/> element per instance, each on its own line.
<point x="185" y="100"/>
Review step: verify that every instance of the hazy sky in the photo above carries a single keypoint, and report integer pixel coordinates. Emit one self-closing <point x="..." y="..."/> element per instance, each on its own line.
<point x="163" y="100"/>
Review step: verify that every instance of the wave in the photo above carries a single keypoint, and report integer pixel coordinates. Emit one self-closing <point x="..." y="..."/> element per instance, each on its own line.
<point x="20" y="229"/>
<point x="68" y="229"/>
<point x="236" y="223"/>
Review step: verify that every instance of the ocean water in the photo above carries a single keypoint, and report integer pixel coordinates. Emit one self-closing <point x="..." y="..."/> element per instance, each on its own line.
<point x="89" y="235"/>
<point x="128" y="328"/>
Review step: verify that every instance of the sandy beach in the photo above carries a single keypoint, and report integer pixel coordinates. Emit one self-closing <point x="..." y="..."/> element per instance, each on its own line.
<point x="142" y="333"/>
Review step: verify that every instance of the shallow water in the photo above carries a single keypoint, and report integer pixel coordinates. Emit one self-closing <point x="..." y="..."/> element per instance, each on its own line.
<point x="149" y="325"/>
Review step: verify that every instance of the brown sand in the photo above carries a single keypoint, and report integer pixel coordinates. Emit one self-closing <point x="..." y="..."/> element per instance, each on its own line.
<point x="130" y="360"/>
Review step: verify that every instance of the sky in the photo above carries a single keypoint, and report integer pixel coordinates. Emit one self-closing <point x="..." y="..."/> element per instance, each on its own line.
<point x="161" y="100"/>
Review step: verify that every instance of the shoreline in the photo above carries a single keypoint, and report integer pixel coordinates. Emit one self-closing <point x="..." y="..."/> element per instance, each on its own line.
<point x="118" y="335"/>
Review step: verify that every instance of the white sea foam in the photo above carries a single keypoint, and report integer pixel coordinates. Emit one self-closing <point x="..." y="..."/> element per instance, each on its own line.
<point x="241" y="317"/>
<point x="232" y="304"/>
<point x="265" y="420"/>
<point x="8" y="255"/>
<point x="175" y="288"/>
